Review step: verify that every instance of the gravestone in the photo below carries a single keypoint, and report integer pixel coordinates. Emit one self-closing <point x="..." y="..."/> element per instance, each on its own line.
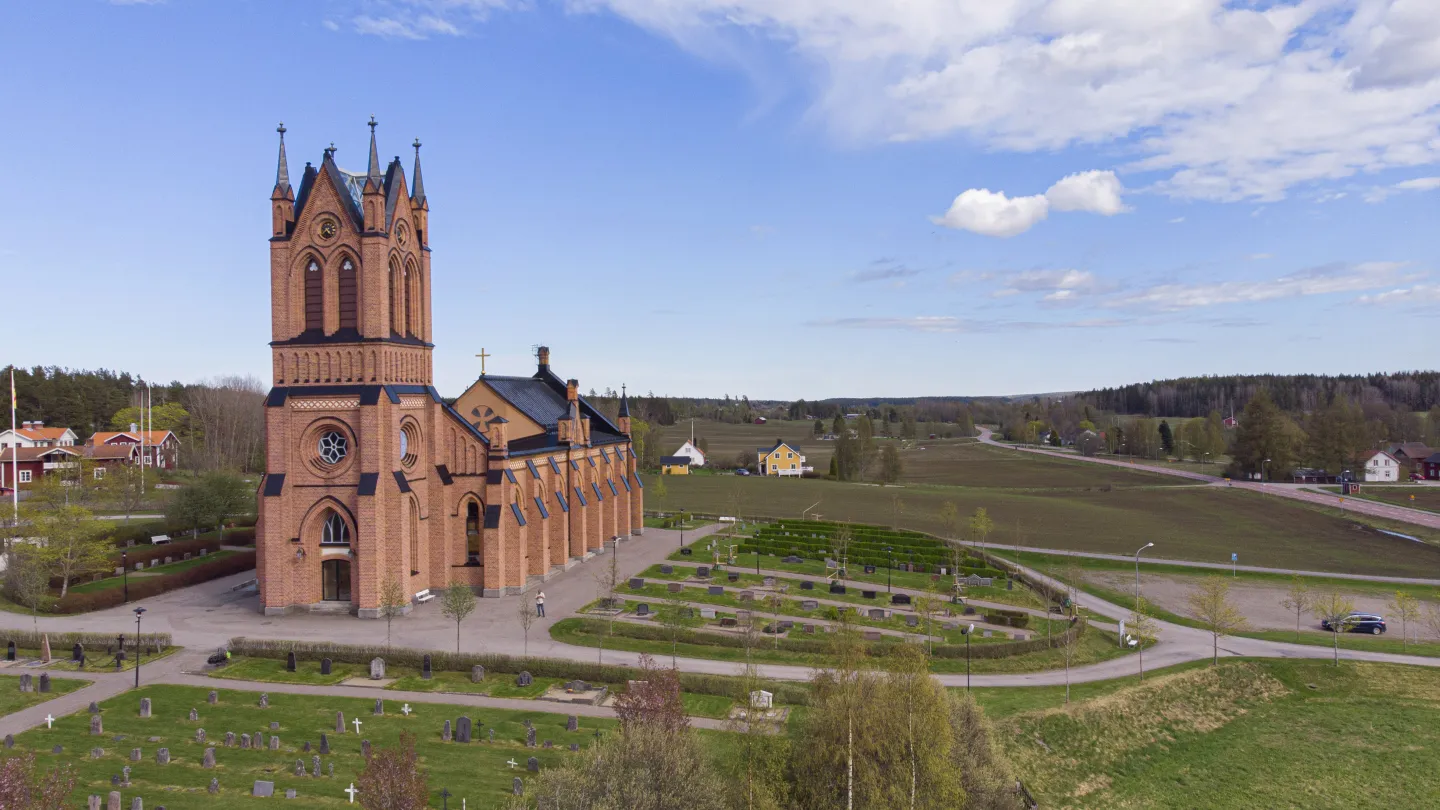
<point x="809" y="604"/>
<point x="113" y="802"/>
<point x="27" y="683"/>
<point x="290" y="661"/>
<point x="900" y="599"/>
<point x="445" y="735"/>
<point x="96" y="725"/>
<point x="274" y="725"/>
<point x="877" y="613"/>
<point x="831" y="565"/>
<point x="275" y="742"/>
<point x="9" y="741"/>
<point x="96" y="753"/>
<point x="125" y="780"/>
<point x="912" y="621"/>
<point x="642" y="609"/>
<point x="707" y="612"/>
<point x="836" y="587"/>
<point x="325" y="666"/>
<point x="244" y="741"/>
<point x="807" y="585"/>
<point x="264" y="700"/>
<point x="572" y="723"/>
<point x="636" y="583"/>
<point x="135" y="755"/>
<point x="44" y="682"/>
<point x="809" y="628"/>
<point x="728" y="621"/>
<point x="1020" y="636"/>
<point x="365" y="748"/>
<point x="77" y="652"/>
<point x="339" y="722"/>
<point x="214" y="786"/>
<point x="667" y="569"/>
<point x="703" y="572"/>
<point x="145" y="707"/>
<point x="524" y="679"/>
<point x="290" y="793"/>
<point x="9" y="651"/>
<point x="324" y="744"/>
<point x="574" y="746"/>
<point x="209" y="760"/>
<point x="792" y="559"/>
<point x="869" y="569"/>
<point x="315" y="766"/>
<point x="517" y="787"/>
<point x="987" y="634"/>
<point x="786" y="624"/>
<point x="137" y="803"/>
<point x="331" y="767"/>
<point x="674" y="587"/>
<point x="742" y="615"/>
<point x="733" y="576"/>
<point x="768" y="582"/>
<point x="687" y="612"/>
<point x="425" y="671"/>
<point x="379" y="707"/>
<point x="263" y="789"/>
<point x="377" y="668"/>
<point x="492" y="734"/>
<point x="547" y="744"/>
<point x="162" y="757"/>
<point x="199" y="735"/>
<point x="93" y="803"/>
<point x="686" y="551"/>
<point x="867" y="594"/>
<point x="872" y="635"/>
<point x="716" y="590"/>
<point x="194" y="715"/>
<point x="747" y="596"/>
<point x="477" y="674"/>
<point x="462" y="730"/>
<point x="212" y="698"/>
<point x="306" y="747"/>
<point x="530" y="737"/>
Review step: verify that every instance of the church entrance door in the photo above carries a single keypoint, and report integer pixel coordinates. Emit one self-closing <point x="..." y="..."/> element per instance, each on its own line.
<point x="335" y="576"/>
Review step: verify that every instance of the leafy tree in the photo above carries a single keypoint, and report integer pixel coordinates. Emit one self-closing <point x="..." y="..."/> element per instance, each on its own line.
<point x="653" y="701"/>
<point x="674" y="621"/>
<point x="1407" y="608"/>
<point x="392" y="603"/>
<point x="981" y="524"/>
<point x="74" y="543"/>
<point x="122" y="487"/>
<point x="456" y="602"/>
<point x="170" y="416"/>
<point x="392" y="778"/>
<point x="1266" y="440"/>
<point x="757" y="768"/>
<point x="819" y="428"/>
<point x="1210" y="604"/>
<point x="210" y="501"/>
<point x="1055" y="437"/>
<point x="1332" y="607"/>
<point x="891" y="467"/>
<point x="1298" y="598"/>
<point x="27" y="578"/>
<point x="24" y="785"/>
<point x="835" y="467"/>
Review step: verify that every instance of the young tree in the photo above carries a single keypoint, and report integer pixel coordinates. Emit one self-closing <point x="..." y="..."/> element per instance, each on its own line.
<point x="121" y="488"/>
<point x="674" y="621"/>
<point x="897" y="508"/>
<point x="392" y="778"/>
<point x="758" y="765"/>
<point x="27" y="579"/>
<point x="1407" y="608"/>
<point x="774" y="601"/>
<point x="927" y="605"/>
<point x="392" y="603"/>
<point x="981" y="525"/>
<point x="891" y="467"/>
<point x="526" y="616"/>
<point x="653" y="701"/>
<point x="1331" y="608"/>
<point x="74" y="543"/>
<point x="1073" y="576"/>
<point x="659" y="492"/>
<point x="607" y="578"/>
<point x="1298" y="598"/>
<point x="456" y="602"/>
<point x="25" y="786"/>
<point x="1431" y="618"/>
<point x="1210" y="604"/>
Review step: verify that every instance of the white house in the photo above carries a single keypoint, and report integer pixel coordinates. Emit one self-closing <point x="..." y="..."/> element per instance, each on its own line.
<point x="35" y="434"/>
<point x="690" y="451"/>
<point x="1381" y="466"/>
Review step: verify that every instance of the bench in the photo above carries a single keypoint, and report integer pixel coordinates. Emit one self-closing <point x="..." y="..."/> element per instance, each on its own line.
<point x="424" y="596"/>
<point x="160" y="539"/>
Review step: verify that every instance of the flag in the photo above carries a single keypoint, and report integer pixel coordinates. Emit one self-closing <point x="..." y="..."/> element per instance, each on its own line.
<point x="12" y="392"/>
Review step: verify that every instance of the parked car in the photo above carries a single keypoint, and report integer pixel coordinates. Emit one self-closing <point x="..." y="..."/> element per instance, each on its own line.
<point x="1372" y="623"/>
<point x="741" y="471"/>
<point x="1416" y="477"/>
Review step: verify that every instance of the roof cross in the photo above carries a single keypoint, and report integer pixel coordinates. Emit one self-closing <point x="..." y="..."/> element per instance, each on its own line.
<point x="482" y="355"/>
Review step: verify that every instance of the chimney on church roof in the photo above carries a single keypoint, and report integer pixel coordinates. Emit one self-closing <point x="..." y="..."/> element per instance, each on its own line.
<point x="572" y="390"/>
<point x="542" y="354"/>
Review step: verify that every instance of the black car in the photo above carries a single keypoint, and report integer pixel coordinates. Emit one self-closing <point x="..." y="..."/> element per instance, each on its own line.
<point x="1372" y="623"/>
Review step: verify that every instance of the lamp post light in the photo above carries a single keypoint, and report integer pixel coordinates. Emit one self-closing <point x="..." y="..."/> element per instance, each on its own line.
<point x="969" y="631"/>
<point x="1264" y="474"/>
<point x="125" y="573"/>
<point x="139" y="611"/>
<point x="1137" y="575"/>
<point x="890" y="552"/>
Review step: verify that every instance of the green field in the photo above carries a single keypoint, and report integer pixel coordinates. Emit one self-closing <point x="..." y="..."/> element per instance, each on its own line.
<point x="1414" y="496"/>
<point x="476" y="772"/>
<point x="1190" y="523"/>
<point x="1245" y="734"/>
<point x="13" y="700"/>
<point x="136" y="576"/>
<point x="971" y="464"/>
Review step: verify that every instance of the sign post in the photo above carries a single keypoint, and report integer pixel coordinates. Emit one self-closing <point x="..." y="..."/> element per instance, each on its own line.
<point x="1234" y="558"/>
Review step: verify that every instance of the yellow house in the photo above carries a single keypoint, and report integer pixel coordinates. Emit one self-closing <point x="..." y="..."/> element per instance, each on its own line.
<point x="674" y="465"/>
<point x="782" y="459"/>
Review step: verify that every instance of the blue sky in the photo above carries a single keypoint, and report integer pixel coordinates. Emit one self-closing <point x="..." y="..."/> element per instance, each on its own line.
<point x="700" y="197"/>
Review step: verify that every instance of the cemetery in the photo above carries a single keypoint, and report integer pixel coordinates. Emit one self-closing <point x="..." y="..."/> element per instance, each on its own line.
<point x="79" y="652"/>
<point x="236" y="751"/>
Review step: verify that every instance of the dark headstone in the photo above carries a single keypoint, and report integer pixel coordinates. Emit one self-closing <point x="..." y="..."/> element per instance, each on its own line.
<point x="9" y="741"/>
<point x="324" y="744"/>
<point x="686" y="551"/>
<point x="716" y="590"/>
<point x="264" y="700"/>
<point x="547" y="744"/>
<point x="674" y="587"/>
<point x="425" y="671"/>
<point x="572" y="723"/>
<point x="807" y="585"/>
<point x="94" y="707"/>
<point x="44" y="682"/>
<point x="27" y="682"/>
<point x="290" y="661"/>
<point x="733" y="576"/>
<point x="162" y="757"/>
<point x="728" y="621"/>
<point x="306" y="747"/>
<point x="77" y="652"/>
<point x="530" y="737"/>
<point x="96" y="725"/>
<point x="463" y="729"/>
<point x="339" y="722"/>
<point x="524" y="679"/>
<point x="445" y="735"/>
<point x="574" y="746"/>
<point x="214" y="786"/>
<point x="379" y="707"/>
<point x="900" y="599"/>
<point x="517" y="786"/>
<point x="213" y="698"/>
<point x="703" y="571"/>
<point x="9" y="651"/>
<point x="532" y="765"/>
<point x="194" y="715"/>
<point x="642" y="609"/>
<point x="667" y="569"/>
<point x="836" y="587"/>
<point x="636" y="583"/>
<point x="325" y="666"/>
<point x="365" y="748"/>
<point x="477" y="674"/>
<point x="274" y="725"/>
<point x="868" y="594"/>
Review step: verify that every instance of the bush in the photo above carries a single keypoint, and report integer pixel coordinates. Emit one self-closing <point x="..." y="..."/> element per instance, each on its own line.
<point x="138" y="532"/>
<point x="146" y="587"/>
<point x="60" y="643"/>
<point x="240" y="537"/>
<point x="278" y="649"/>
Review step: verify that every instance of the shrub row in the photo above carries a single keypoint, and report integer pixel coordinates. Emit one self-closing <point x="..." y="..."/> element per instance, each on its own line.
<point x="244" y="536"/>
<point x="723" y="685"/>
<point x="60" y="643"/>
<point x="177" y="549"/>
<point x="145" y="587"/>
<point x="138" y="532"/>
<point x="1009" y="618"/>
<point x="823" y="646"/>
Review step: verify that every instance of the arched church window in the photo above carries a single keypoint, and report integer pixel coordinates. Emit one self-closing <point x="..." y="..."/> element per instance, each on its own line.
<point x="348" y="296"/>
<point x="472" y="533"/>
<point x="414" y="538"/>
<point x="334" y="531"/>
<point x="314" y="296"/>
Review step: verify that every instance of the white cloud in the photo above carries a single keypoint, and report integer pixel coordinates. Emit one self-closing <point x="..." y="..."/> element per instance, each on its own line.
<point x="950" y="323"/>
<point x="884" y="270"/>
<point x="991" y="213"/>
<point x="1416" y="294"/>
<point x="1381" y="193"/>
<point x="1177" y="220"/>
<point x="1334" y="278"/>
<point x="1256" y="257"/>
<point x="331" y="25"/>
<point x="422" y="19"/>
<point x="1095" y="191"/>
<point x="1226" y="100"/>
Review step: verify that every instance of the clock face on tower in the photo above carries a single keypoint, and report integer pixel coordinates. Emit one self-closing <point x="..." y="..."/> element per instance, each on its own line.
<point x="328" y="228"/>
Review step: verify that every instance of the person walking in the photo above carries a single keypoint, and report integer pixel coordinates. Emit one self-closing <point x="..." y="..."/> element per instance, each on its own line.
<point x="540" y="604"/>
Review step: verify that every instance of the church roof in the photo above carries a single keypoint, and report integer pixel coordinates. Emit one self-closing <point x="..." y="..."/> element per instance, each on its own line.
<point x="532" y="397"/>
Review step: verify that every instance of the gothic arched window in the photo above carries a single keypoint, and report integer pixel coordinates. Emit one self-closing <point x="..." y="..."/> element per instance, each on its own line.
<point x="334" y="531"/>
<point x="348" y="296"/>
<point x="314" y="296"/>
<point x="414" y="538"/>
<point x="472" y="533"/>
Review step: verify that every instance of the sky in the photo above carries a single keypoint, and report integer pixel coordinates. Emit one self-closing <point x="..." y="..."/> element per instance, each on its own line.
<point x="808" y="198"/>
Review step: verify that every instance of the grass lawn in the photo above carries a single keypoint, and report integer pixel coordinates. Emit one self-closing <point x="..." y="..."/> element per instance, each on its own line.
<point x="476" y="772"/>
<point x="170" y="568"/>
<point x="1190" y="523"/>
<point x="13" y="700"/>
<point x="1415" y="496"/>
<point x="1271" y="733"/>
<point x="971" y="464"/>
<point x="716" y="706"/>
<point x="273" y="670"/>
<point x="95" y="660"/>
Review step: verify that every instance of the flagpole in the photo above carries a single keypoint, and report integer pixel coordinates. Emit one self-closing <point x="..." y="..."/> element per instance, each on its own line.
<point x="14" y="455"/>
<point x="142" y="444"/>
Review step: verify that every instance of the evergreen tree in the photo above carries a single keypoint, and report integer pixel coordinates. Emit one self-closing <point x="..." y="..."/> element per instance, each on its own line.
<point x="1265" y="441"/>
<point x="1167" y="438"/>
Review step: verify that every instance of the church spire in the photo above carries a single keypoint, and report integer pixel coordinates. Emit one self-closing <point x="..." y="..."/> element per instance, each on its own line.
<point x="418" y="195"/>
<point x="282" y="171"/>
<point x="624" y="401"/>
<point x="373" y="174"/>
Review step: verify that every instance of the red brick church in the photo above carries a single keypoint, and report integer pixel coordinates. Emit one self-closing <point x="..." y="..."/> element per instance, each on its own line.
<point x="370" y="475"/>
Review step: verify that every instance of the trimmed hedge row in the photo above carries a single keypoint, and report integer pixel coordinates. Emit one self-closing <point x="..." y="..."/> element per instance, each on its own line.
<point x="278" y="649"/>
<point x="823" y="646"/>
<point x="1010" y="618"/>
<point x="60" y="643"/>
<point x="145" y="587"/>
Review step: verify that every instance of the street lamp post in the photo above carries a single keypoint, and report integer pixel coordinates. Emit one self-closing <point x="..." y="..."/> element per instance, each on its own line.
<point x="969" y="631"/>
<point x="139" y="611"/>
<point x="1264" y="474"/>
<point x="890" y="553"/>
<point x="1137" y="574"/>
<point x="125" y="573"/>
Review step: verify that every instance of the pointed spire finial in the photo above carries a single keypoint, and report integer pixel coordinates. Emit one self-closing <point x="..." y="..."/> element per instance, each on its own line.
<point x="418" y="189"/>
<point x="374" y="171"/>
<point x="330" y="151"/>
<point x="282" y="170"/>
<point x="624" y="401"/>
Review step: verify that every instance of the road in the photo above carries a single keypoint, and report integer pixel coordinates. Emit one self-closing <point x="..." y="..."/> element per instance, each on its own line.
<point x="1294" y="492"/>
<point x="206" y="616"/>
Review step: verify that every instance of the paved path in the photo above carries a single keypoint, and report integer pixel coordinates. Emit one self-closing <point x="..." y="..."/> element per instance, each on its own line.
<point x="1295" y="492"/>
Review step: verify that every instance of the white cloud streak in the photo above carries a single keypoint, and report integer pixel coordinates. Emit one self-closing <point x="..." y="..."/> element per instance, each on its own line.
<point x="992" y="213"/>
<point x="1334" y="278"/>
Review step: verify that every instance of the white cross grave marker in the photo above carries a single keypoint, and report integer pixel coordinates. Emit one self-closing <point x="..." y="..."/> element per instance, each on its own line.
<point x="356" y="723"/>
<point x="352" y="791"/>
<point x="405" y="710"/>
<point x="49" y="721"/>
<point x="512" y="763"/>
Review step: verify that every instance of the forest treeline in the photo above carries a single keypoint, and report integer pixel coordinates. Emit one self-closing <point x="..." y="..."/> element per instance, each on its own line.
<point x="1295" y="393"/>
